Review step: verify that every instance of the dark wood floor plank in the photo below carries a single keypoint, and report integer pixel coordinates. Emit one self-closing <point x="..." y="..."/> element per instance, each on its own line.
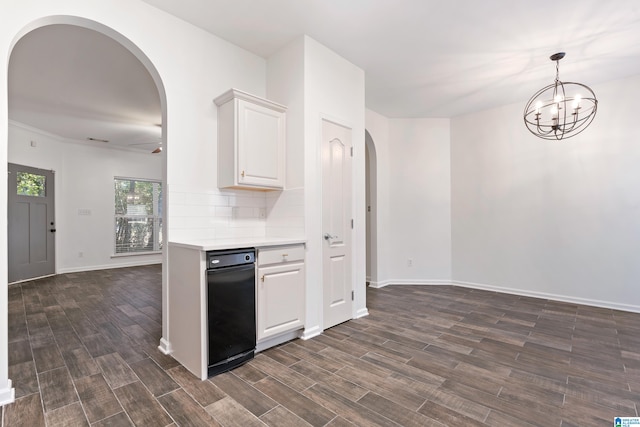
<point x="436" y="355"/>
<point x="229" y="412"/>
<point x="141" y="406"/>
<point x="302" y="406"/>
<point x="47" y="357"/>
<point x="118" y="420"/>
<point x="96" y="396"/>
<point x="337" y="382"/>
<point x="116" y="371"/>
<point x="154" y="378"/>
<point x="204" y="392"/>
<point x="126" y="348"/>
<point x="26" y="411"/>
<point x="280" y="356"/>
<point x="543" y="414"/>
<point x="389" y="387"/>
<point x="288" y="376"/>
<point x="249" y="397"/>
<point x="70" y="415"/>
<point x="24" y="378"/>
<point x="20" y="352"/>
<point x="320" y="360"/>
<point x="282" y="417"/>
<point x="351" y="411"/>
<point x="56" y="388"/>
<point x="396" y="412"/>
<point x="98" y="345"/>
<point x="250" y="373"/>
<point x="185" y="411"/>
<point x="80" y="363"/>
<point x="448" y="416"/>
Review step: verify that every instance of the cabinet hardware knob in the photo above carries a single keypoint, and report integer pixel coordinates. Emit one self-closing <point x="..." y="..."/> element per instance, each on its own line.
<point x="242" y="174"/>
<point x="262" y="278"/>
<point x="285" y="255"/>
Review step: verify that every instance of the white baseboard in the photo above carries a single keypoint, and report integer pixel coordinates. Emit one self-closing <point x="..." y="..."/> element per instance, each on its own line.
<point x="361" y="313"/>
<point x="513" y="291"/>
<point x="277" y="340"/>
<point x="554" y="297"/>
<point x="107" y="266"/>
<point x="165" y="347"/>
<point x="7" y="394"/>
<point x="311" y="332"/>
<point x="384" y="283"/>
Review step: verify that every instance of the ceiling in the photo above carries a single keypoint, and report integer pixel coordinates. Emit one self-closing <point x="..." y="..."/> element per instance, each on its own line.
<point x="422" y="58"/>
<point x="77" y="84"/>
<point x="440" y="58"/>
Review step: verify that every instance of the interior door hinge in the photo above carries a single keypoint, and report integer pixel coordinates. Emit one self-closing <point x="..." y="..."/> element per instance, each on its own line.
<point x="352" y="223"/>
<point x="352" y="297"/>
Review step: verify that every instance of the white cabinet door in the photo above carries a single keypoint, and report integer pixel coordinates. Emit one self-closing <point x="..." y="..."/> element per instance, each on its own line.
<point x="280" y="298"/>
<point x="251" y="142"/>
<point x="261" y="137"/>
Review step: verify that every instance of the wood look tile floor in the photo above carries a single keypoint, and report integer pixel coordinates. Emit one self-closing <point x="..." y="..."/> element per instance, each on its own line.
<point x="83" y="351"/>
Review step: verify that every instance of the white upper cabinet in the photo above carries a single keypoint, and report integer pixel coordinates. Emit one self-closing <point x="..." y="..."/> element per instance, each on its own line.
<point x="251" y="142"/>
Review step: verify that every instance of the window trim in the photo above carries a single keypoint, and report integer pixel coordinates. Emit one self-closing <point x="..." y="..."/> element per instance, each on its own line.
<point x="157" y="219"/>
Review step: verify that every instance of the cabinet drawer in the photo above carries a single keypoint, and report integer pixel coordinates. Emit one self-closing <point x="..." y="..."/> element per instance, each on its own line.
<point x="280" y="254"/>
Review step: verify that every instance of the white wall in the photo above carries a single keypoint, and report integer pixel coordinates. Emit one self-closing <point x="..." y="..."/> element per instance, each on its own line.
<point x="420" y="200"/>
<point x="414" y="205"/>
<point x="285" y="85"/>
<point x="334" y="89"/>
<point x="546" y="218"/>
<point x="378" y="127"/>
<point x="191" y="67"/>
<point x="83" y="180"/>
<point x="314" y="82"/>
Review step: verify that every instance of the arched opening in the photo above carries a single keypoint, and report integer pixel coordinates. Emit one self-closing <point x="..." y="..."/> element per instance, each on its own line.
<point x="371" y="209"/>
<point x="161" y="124"/>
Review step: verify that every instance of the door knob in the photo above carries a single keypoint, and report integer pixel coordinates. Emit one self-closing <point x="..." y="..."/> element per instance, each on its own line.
<point x="328" y="236"/>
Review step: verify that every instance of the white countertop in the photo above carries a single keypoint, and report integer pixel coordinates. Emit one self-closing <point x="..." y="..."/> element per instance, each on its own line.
<point x="221" y="244"/>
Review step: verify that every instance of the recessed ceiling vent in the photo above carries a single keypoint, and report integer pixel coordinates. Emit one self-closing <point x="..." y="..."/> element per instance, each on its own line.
<point x="97" y="139"/>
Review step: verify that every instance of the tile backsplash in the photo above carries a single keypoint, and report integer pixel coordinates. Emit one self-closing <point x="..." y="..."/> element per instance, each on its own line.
<point x="199" y="214"/>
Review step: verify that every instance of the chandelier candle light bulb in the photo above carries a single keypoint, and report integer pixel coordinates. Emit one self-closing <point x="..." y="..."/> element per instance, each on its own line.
<point x="576" y="103"/>
<point x="555" y="98"/>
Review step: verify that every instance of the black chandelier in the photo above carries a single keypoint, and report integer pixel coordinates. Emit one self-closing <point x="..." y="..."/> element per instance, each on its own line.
<point x="560" y="110"/>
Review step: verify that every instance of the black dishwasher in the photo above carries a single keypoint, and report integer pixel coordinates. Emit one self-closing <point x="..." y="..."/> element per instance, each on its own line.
<point x="231" y="308"/>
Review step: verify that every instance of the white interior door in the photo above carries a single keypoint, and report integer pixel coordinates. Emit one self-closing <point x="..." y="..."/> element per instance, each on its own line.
<point x="336" y="220"/>
<point x="31" y="226"/>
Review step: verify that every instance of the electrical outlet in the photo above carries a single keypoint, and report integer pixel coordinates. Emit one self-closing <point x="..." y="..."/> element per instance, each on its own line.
<point x="410" y="262"/>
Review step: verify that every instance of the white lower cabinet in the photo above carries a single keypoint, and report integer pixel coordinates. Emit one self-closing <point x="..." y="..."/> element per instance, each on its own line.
<point x="280" y="290"/>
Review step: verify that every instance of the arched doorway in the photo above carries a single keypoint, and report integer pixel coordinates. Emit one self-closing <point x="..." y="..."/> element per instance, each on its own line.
<point x="7" y="395"/>
<point x="371" y="209"/>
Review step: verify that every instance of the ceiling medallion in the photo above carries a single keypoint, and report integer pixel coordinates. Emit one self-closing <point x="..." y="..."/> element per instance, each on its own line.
<point x="560" y="110"/>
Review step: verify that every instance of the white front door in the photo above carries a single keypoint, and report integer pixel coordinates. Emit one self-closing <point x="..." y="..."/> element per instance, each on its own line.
<point x="336" y="221"/>
<point x="31" y="224"/>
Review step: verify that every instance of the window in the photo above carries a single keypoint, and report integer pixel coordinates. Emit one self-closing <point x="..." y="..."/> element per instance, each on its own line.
<point x="138" y="219"/>
<point x="30" y="184"/>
